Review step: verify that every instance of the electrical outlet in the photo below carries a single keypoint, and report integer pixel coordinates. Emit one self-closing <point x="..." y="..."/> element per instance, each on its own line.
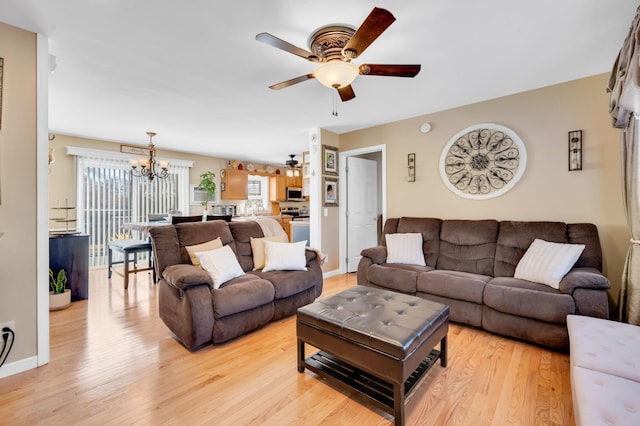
<point x="10" y="324"/>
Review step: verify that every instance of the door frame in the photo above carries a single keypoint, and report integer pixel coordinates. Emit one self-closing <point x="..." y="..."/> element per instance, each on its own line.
<point x="343" y="196"/>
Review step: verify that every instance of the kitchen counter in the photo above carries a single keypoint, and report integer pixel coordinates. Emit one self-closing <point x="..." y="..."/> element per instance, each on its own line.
<point x="250" y="217"/>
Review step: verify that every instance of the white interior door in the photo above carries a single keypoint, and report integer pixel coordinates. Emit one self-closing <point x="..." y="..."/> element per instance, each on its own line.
<point x="362" y="208"/>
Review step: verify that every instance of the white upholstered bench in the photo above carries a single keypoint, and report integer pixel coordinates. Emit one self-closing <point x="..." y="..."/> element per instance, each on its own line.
<point x="605" y="371"/>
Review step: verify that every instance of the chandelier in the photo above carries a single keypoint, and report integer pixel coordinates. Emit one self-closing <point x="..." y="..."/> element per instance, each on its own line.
<point x="149" y="167"/>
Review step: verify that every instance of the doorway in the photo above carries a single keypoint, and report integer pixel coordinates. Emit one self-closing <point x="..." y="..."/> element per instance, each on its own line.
<point x="362" y="202"/>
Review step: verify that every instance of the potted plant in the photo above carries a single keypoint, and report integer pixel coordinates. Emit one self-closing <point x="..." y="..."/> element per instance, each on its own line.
<point x="59" y="296"/>
<point x="208" y="183"/>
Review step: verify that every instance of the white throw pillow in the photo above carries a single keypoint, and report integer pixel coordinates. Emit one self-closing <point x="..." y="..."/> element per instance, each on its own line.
<point x="405" y="248"/>
<point x="547" y="263"/>
<point x="285" y="256"/>
<point x="208" y="246"/>
<point x="221" y="264"/>
<point x="257" y="249"/>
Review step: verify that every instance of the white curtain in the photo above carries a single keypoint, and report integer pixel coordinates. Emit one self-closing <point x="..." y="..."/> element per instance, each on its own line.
<point x="624" y="106"/>
<point x="629" y="300"/>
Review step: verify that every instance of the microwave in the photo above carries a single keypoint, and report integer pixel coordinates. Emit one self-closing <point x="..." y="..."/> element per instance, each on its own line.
<point x="294" y="194"/>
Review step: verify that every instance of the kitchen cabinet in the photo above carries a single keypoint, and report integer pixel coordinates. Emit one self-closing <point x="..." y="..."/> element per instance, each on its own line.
<point x="234" y="185"/>
<point x="294" y="181"/>
<point x="278" y="188"/>
<point x="285" y="222"/>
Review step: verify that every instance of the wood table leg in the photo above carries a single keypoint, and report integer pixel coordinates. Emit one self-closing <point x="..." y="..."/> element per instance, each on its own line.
<point x="300" y="356"/>
<point x="398" y="403"/>
<point x="443" y="351"/>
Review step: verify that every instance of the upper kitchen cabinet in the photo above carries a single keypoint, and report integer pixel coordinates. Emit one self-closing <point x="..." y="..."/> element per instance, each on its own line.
<point x="234" y="184"/>
<point x="277" y="188"/>
<point x="294" y="181"/>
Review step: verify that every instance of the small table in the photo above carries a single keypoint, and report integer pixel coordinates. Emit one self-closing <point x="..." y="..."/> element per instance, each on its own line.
<point x="377" y="342"/>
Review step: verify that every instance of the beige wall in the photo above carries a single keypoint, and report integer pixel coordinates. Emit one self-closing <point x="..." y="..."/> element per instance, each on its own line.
<point x="547" y="191"/>
<point x="330" y="227"/>
<point x="18" y="247"/>
<point x="62" y="173"/>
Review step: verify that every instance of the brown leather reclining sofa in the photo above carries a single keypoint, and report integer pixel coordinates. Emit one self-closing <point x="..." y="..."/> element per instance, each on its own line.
<point x="470" y="266"/>
<point x="196" y="312"/>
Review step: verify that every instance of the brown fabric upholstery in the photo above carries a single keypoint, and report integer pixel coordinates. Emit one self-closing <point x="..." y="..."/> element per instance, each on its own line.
<point x="196" y="313"/>
<point x="475" y="261"/>
<point x="515" y="238"/>
<point x="242" y="233"/>
<point x="468" y="246"/>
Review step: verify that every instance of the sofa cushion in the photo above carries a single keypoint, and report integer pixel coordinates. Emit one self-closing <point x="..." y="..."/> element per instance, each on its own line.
<point x="514" y="238"/>
<point x="221" y="264"/>
<point x="208" y="246"/>
<point x="258" y="250"/>
<point x="587" y="234"/>
<point x="428" y="227"/>
<point x="453" y="284"/>
<point x="405" y="248"/>
<point x="547" y="263"/>
<point x="242" y="233"/>
<point x="287" y="283"/>
<point x="241" y="294"/>
<point x="528" y="299"/>
<point x="468" y="246"/>
<point x="284" y="256"/>
<point x="193" y="233"/>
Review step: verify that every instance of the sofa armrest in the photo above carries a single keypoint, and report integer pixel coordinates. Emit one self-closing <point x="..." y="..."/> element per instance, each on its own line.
<point x="589" y="278"/>
<point x="377" y="254"/>
<point x="183" y="276"/>
<point x="310" y="254"/>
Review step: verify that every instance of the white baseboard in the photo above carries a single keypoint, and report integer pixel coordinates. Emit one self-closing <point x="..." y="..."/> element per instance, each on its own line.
<point x="331" y="273"/>
<point x="18" y="366"/>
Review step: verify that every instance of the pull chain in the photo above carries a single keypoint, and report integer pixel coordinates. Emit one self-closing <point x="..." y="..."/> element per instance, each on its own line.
<point x="334" y="112"/>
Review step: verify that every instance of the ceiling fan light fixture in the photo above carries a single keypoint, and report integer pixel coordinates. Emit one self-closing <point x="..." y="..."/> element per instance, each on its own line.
<point x="336" y="74"/>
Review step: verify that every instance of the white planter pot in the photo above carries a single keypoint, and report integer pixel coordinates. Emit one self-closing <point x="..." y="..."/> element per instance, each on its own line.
<point x="60" y="300"/>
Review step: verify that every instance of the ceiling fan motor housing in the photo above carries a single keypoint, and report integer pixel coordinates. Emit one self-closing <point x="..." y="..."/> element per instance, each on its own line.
<point x="328" y="42"/>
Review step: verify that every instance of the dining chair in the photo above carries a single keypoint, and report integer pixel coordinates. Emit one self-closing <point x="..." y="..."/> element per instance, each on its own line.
<point x="183" y="219"/>
<point x="225" y="217"/>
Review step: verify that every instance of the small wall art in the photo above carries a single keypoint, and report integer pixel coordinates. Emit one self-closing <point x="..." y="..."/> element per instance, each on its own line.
<point x="330" y="191"/>
<point x="329" y="160"/>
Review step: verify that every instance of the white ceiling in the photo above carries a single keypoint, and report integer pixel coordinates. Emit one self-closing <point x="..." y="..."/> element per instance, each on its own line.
<point x="192" y="71"/>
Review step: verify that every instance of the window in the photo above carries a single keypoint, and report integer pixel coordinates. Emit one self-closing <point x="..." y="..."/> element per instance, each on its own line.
<point x="258" y="193"/>
<point x="109" y="196"/>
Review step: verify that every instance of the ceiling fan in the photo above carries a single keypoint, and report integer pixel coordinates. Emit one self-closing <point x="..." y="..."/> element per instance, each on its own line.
<point x="334" y="46"/>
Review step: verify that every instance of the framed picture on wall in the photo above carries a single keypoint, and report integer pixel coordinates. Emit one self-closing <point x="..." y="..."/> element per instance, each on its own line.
<point x="330" y="192"/>
<point x="329" y="160"/>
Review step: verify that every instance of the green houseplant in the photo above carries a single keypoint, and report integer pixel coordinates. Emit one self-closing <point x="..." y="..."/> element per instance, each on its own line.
<point x="59" y="296"/>
<point x="208" y="183"/>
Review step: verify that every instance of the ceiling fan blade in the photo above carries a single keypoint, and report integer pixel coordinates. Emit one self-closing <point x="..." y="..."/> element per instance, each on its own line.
<point x="375" y="24"/>
<point x="286" y="46"/>
<point x="291" y="82"/>
<point x="346" y="93"/>
<point x="390" y="70"/>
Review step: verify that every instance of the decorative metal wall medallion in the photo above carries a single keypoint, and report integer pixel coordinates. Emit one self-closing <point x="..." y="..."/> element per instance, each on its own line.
<point x="483" y="161"/>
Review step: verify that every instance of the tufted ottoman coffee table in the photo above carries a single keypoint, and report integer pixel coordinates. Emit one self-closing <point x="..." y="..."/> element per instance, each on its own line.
<point x="377" y="342"/>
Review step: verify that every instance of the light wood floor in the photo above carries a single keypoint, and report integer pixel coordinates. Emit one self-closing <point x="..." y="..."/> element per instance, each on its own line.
<point x="114" y="362"/>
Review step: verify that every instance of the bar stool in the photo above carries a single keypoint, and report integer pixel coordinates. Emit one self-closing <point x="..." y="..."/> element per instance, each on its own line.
<point x="128" y="247"/>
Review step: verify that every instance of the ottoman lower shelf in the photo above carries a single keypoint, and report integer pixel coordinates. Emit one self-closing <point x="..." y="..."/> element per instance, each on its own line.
<point x="376" y="389"/>
<point x="375" y="341"/>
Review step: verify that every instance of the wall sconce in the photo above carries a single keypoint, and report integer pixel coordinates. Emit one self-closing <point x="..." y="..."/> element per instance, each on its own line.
<point x="411" y="164"/>
<point x="575" y="150"/>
